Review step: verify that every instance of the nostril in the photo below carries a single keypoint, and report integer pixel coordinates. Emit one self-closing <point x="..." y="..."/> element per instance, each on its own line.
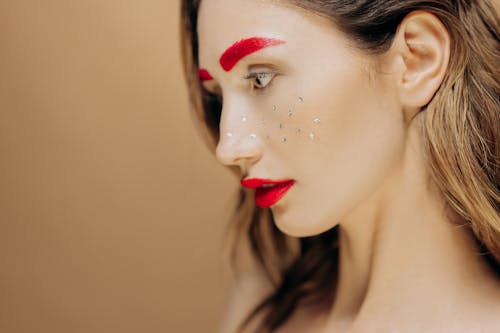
<point x="226" y="149"/>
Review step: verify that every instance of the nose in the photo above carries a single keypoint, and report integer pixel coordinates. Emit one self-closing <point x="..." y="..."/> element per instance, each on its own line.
<point x="238" y="149"/>
<point x="239" y="141"/>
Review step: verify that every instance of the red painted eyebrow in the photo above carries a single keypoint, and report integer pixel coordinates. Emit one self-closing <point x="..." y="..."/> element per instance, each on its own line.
<point x="204" y="75"/>
<point x="244" y="47"/>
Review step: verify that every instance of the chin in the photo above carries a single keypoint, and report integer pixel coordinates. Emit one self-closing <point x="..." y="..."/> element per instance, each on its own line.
<point x="299" y="227"/>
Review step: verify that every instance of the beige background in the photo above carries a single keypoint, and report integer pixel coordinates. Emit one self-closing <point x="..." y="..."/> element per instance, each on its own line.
<point x="111" y="208"/>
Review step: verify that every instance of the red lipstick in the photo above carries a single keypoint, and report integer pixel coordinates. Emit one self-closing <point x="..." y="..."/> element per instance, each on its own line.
<point x="267" y="191"/>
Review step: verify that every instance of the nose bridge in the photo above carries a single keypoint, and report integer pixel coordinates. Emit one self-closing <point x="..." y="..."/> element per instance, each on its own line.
<point x="232" y="108"/>
<point x="239" y="143"/>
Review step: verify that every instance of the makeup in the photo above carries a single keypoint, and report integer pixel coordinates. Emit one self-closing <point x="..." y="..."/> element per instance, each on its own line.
<point x="267" y="191"/>
<point x="244" y="47"/>
<point x="204" y="75"/>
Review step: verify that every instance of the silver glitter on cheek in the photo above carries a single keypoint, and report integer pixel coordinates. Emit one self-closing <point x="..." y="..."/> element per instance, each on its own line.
<point x="301" y="99"/>
<point x="253" y="136"/>
<point x="316" y="120"/>
<point x="229" y="134"/>
<point x="274" y="108"/>
<point x="244" y="119"/>
<point x="283" y="139"/>
<point x="312" y="136"/>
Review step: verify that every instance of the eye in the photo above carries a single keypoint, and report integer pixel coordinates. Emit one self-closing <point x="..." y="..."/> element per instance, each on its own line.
<point x="260" y="80"/>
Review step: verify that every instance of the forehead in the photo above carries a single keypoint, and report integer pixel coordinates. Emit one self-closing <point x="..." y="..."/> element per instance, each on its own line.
<point x="221" y="23"/>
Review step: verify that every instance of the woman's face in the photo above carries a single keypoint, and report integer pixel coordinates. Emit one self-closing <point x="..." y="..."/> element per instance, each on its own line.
<point x="317" y="113"/>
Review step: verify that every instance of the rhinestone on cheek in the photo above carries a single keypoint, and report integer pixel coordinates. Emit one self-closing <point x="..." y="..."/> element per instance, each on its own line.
<point x="301" y="99"/>
<point x="316" y="120"/>
<point x="283" y="139"/>
<point x="312" y="136"/>
<point x="253" y="136"/>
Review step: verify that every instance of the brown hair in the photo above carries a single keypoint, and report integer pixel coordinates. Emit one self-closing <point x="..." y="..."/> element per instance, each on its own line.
<point x="460" y="130"/>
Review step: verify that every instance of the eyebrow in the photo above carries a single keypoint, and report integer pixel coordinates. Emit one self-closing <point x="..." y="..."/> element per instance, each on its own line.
<point x="244" y="47"/>
<point x="204" y="75"/>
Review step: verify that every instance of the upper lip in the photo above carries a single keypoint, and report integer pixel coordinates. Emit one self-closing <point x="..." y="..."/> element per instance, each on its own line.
<point x="258" y="182"/>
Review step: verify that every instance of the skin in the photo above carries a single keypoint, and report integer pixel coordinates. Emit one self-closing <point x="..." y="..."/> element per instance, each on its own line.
<point x="403" y="266"/>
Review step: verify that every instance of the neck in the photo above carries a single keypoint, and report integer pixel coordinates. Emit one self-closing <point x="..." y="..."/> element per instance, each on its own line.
<point x="399" y="252"/>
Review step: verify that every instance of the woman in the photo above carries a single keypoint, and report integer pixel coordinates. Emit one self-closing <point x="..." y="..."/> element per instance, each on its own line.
<point x="366" y="137"/>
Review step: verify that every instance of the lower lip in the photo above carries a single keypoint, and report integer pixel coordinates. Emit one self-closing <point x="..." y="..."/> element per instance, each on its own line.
<point x="267" y="196"/>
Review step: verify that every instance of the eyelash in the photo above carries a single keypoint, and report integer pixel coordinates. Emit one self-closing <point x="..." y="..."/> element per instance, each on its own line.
<point x="258" y="75"/>
<point x="250" y="76"/>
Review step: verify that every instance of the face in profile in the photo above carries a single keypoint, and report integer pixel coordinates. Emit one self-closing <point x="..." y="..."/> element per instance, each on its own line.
<point x="312" y="121"/>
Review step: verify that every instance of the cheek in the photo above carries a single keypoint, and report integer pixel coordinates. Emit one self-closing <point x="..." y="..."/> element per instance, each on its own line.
<point x="292" y="117"/>
<point x="359" y="143"/>
<point x="283" y="121"/>
<point x="361" y="124"/>
<point x="302" y="105"/>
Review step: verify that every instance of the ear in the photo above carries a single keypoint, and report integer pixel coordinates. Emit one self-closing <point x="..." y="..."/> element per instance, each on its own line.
<point x="422" y="48"/>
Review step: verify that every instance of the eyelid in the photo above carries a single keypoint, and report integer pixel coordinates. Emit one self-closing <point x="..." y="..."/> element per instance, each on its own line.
<point x="262" y="67"/>
<point x="256" y="74"/>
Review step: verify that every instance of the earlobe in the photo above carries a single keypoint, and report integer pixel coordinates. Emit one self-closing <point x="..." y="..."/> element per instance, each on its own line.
<point x="423" y="44"/>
